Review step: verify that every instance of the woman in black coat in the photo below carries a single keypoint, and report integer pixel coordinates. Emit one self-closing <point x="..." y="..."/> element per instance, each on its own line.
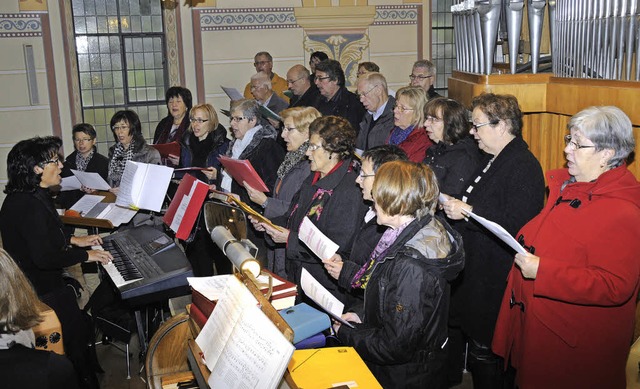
<point x="507" y="188"/>
<point x="33" y="234"/>
<point x="175" y="124"/>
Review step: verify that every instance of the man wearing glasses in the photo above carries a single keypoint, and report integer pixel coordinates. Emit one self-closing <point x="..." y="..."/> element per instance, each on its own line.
<point x="263" y="62"/>
<point x="377" y="123"/>
<point x="335" y="99"/>
<point x="304" y="92"/>
<point x="423" y="75"/>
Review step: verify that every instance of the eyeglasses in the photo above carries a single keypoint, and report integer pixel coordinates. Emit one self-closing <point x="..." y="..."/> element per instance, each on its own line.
<point x="364" y="94"/>
<point x="363" y="176"/>
<point x="402" y="109"/>
<point x="260" y="63"/>
<point x="476" y="126"/>
<point x="323" y="78"/>
<point x="313" y="147"/>
<point x="119" y="128"/>
<point x="419" y="77"/>
<point x="289" y="129"/>
<point x="55" y="160"/>
<point x="294" y="81"/>
<point x="432" y="119"/>
<point x="82" y="140"/>
<point x="237" y="118"/>
<point x="198" y="120"/>
<point x="573" y="145"/>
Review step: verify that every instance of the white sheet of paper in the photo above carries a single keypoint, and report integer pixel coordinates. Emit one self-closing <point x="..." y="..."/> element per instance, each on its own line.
<point x="143" y="186"/>
<point x="500" y="232"/>
<point x="233" y="93"/>
<point x="318" y="242"/>
<point x="216" y="331"/>
<point x="210" y="287"/>
<point x="86" y="203"/>
<point x="70" y="183"/>
<point x="91" y="180"/>
<point x="321" y="296"/>
<point x="117" y="215"/>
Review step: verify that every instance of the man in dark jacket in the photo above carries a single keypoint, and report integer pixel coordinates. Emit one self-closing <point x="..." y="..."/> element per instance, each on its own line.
<point x="423" y="74"/>
<point x="378" y="121"/>
<point x="304" y="92"/>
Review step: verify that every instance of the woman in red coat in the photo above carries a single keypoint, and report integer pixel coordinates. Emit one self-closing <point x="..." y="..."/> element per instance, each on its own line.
<point x="408" y="116"/>
<point x="567" y="316"/>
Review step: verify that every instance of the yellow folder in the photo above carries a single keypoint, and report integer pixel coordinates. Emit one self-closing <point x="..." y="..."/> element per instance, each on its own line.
<point x="324" y="368"/>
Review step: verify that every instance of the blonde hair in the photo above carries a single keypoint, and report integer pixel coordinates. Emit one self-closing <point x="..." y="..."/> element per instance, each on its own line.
<point x="18" y="302"/>
<point x="418" y="99"/>
<point x="302" y="117"/>
<point x="405" y="188"/>
<point x="211" y="113"/>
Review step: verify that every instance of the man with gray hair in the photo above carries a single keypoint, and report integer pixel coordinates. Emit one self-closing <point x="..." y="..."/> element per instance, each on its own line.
<point x="262" y="92"/>
<point x="377" y="123"/>
<point x="423" y="75"/>
<point x="263" y="62"/>
<point x="304" y="92"/>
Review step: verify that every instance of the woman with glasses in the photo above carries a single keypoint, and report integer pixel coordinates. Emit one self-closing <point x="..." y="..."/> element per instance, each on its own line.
<point x="400" y="329"/>
<point x="507" y="188"/>
<point x="329" y="197"/>
<point x="130" y="146"/>
<point x="33" y="234"/>
<point x="291" y="173"/>
<point x="454" y="156"/>
<point x="567" y="316"/>
<point x="84" y="158"/>
<point x="408" y="117"/>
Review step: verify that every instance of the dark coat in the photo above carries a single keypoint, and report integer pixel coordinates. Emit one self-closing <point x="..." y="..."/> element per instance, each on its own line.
<point x="339" y="220"/>
<point x="97" y="164"/>
<point x="510" y="193"/>
<point x="377" y="135"/>
<point x="308" y="98"/>
<point x="453" y="164"/>
<point x="405" y="311"/>
<point x="163" y="130"/>
<point x="32" y="233"/>
<point x="432" y="94"/>
<point x="26" y="368"/>
<point x="220" y="144"/>
<point x="265" y="154"/>
<point x="579" y="312"/>
<point x="344" y="104"/>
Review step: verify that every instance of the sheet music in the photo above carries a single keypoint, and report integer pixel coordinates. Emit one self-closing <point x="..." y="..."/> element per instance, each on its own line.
<point x="233" y="93"/>
<point x="210" y="287"/>
<point x="217" y="330"/>
<point x="86" y="203"/>
<point x="268" y="113"/>
<point x="117" y="215"/>
<point x="500" y="232"/>
<point x="309" y="234"/>
<point x="143" y="186"/>
<point x="321" y="296"/>
<point x="182" y="208"/>
<point x="91" y="180"/>
<point x="70" y="183"/>
<point x="255" y="356"/>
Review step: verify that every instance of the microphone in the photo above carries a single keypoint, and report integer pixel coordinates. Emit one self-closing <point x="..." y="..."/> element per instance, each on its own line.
<point x="573" y="203"/>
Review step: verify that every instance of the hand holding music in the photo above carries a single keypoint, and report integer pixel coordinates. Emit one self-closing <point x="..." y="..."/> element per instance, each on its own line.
<point x="528" y="264"/>
<point x="255" y="195"/>
<point x="456" y="209"/>
<point x="257" y="225"/>
<point x="276" y="235"/>
<point x="211" y="173"/>
<point x="333" y="265"/>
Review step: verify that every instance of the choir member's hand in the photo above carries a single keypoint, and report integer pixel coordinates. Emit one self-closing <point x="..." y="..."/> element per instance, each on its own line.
<point x="101" y="256"/>
<point x="528" y="264"/>
<point x="256" y="223"/>
<point x="255" y="195"/>
<point x="351" y="317"/>
<point x="275" y="123"/>
<point x="87" y="190"/>
<point x="276" y="235"/>
<point x="86" y="241"/>
<point x="174" y="159"/>
<point x="456" y="209"/>
<point x="211" y="173"/>
<point x="333" y="265"/>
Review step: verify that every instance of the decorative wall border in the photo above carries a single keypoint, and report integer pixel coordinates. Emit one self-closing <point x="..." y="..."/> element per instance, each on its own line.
<point x="20" y="25"/>
<point x="231" y="19"/>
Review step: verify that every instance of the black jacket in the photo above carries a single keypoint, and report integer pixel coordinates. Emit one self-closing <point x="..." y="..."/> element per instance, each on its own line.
<point x="377" y="135"/>
<point x="510" y="193"/>
<point x="219" y="146"/>
<point x="339" y="220"/>
<point x="308" y="99"/>
<point x="344" y="104"/>
<point x="163" y="129"/>
<point x="405" y="310"/>
<point x="453" y="164"/>
<point x="98" y="164"/>
<point x="27" y="368"/>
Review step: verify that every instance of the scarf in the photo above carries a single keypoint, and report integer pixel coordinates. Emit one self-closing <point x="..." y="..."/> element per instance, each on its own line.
<point x="200" y="149"/>
<point x="291" y="159"/>
<point x="82" y="162"/>
<point x="119" y="161"/>
<point x="398" y="135"/>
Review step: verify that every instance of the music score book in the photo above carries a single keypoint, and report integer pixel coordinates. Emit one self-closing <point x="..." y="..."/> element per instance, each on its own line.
<point x="241" y="346"/>
<point x="241" y="170"/>
<point x="92" y="207"/>
<point x="143" y="186"/>
<point x="233" y="93"/>
<point x="185" y="206"/>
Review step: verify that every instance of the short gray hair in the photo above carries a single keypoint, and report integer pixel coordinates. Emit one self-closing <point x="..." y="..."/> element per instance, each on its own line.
<point x="427" y="65"/>
<point x="608" y="128"/>
<point x="375" y="78"/>
<point x="248" y="107"/>
<point x="263" y="79"/>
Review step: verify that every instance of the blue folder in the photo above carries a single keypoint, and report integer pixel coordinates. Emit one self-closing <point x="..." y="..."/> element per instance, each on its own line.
<point x="305" y="321"/>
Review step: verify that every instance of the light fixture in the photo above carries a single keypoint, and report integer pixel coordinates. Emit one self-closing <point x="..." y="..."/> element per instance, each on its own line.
<point x="240" y="253"/>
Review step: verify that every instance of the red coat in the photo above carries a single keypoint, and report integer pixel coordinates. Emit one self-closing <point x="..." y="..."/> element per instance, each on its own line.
<point x="416" y="144"/>
<point x="577" y="324"/>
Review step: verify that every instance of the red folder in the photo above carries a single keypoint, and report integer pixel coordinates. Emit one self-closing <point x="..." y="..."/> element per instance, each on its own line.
<point x="242" y="170"/>
<point x="194" y="203"/>
<point x="198" y="316"/>
<point x="165" y="149"/>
